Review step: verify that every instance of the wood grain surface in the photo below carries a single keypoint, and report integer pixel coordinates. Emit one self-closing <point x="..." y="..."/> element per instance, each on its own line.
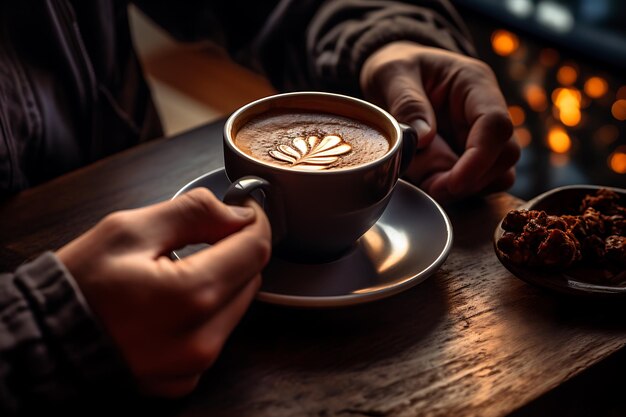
<point x="472" y="340"/>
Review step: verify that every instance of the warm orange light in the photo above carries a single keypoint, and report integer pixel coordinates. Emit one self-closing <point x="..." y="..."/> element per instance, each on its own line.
<point x="618" y="110"/>
<point x="567" y="103"/>
<point x="504" y="43"/>
<point x="548" y="57"/>
<point x="523" y="136"/>
<point x="566" y="97"/>
<point x="536" y="97"/>
<point x="517" y="115"/>
<point x="566" y="75"/>
<point x="621" y="93"/>
<point x="558" y="140"/>
<point x="617" y="160"/>
<point x="570" y="116"/>
<point x="596" y="87"/>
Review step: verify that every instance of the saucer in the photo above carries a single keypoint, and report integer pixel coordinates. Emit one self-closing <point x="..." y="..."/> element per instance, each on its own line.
<point x="408" y="244"/>
<point x="577" y="280"/>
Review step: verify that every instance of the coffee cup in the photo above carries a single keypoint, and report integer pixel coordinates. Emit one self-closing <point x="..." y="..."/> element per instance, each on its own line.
<point x="325" y="165"/>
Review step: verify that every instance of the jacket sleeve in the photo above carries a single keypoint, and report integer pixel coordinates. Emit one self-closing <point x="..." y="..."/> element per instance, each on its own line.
<point x="316" y="44"/>
<point x="52" y="351"/>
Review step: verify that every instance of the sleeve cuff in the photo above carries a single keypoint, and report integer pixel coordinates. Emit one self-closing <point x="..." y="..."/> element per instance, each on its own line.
<point x="69" y="328"/>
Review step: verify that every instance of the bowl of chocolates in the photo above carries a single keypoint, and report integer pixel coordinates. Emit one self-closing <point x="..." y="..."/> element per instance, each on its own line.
<point x="571" y="239"/>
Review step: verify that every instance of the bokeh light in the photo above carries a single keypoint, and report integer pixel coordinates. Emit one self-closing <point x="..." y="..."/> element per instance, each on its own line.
<point x="618" y="110"/>
<point x="570" y="116"/>
<point x="518" y="116"/>
<point x="558" y="140"/>
<point x="566" y="75"/>
<point x="523" y="136"/>
<point x="567" y="102"/>
<point x="504" y="43"/>
<point x="535" y="96"/>
<point x="596" y="87"/>
<point x="617" y="160"/>
<point x="621" y="93"/>
<point x="566" y="97"/>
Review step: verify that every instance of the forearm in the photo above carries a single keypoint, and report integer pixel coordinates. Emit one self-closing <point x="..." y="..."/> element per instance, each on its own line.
<point x="323" y="45"/>
<point x="344" y="34"/>
<point x="51" y="349"/>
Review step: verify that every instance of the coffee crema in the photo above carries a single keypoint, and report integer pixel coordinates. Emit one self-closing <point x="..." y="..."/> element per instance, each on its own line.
<point x="310" y="141"/>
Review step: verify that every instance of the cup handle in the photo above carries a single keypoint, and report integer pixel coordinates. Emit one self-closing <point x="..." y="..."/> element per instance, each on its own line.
<point x="240" y="190"/>
<point x="409" y="146"/>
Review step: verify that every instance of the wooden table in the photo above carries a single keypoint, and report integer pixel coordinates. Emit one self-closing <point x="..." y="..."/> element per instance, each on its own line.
<point x="472" y="340"/>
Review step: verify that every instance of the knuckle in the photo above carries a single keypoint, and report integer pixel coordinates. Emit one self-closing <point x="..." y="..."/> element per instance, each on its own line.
<point x="512" y="152"/>
<point x="483" y="68"/>
<point x="205" y="300"/>
<point x="383" y="69"/>
<point x="199" y="200"/>
<point x="500" y="123"/>
<point x="119" y="224"/>
<point x="203" y="352"/>
<point x="260" y="250"/>
<point x="410" y="104"/>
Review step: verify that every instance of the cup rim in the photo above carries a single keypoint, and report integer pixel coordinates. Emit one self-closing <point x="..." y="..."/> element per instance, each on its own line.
<point x="388" y="155"/>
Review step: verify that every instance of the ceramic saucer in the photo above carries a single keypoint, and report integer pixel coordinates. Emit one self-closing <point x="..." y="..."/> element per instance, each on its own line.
<point x="409" y="243"/>
<point x="577" y="280"/>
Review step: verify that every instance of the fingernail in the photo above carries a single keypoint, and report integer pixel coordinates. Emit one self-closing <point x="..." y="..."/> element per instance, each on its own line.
<point x="242" y="212"/>
<point x="421" y="128"/>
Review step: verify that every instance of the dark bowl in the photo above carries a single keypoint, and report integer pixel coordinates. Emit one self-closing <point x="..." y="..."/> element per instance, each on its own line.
<point x="577" y="280"/>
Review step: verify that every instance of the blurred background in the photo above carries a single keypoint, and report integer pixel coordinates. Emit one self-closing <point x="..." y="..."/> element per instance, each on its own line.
<point x="561" y="65"/>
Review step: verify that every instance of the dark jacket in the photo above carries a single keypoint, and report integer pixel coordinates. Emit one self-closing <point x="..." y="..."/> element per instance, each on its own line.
<point x="72" y="91"/>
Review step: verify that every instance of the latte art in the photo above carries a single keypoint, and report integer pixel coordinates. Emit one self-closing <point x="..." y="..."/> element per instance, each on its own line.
<point x="310" y="141"/>
<point x="313" y="153"/>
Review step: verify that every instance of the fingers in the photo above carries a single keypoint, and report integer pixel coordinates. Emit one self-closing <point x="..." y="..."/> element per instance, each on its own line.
<point x="438" y="158"/>
<point x="408" y="103"/>
<point x="180" y="373"/>
<point x="431" y="170"/>
<point x="194" y="217"/>
<point x="490" y="131"/>
<point x="411" y="80"/>
<point x="214" y="334"/>
<point x="220" y="271"/>
<point x="500" y="172"/>
<point x="396" y="84"/>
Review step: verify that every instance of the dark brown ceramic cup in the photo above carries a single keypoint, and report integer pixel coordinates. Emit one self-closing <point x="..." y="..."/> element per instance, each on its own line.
<point x="318" y="215"/>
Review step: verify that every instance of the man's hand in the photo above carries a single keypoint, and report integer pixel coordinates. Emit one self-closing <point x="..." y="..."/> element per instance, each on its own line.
<point x="171" y="319"/>
<point x="455" y="105"/>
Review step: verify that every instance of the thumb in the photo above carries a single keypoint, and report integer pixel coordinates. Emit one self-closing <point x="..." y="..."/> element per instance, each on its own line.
<point x="194" y="217"/>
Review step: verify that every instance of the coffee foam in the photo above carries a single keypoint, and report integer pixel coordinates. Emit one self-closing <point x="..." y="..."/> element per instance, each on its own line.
<point x="311" y="141"/>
